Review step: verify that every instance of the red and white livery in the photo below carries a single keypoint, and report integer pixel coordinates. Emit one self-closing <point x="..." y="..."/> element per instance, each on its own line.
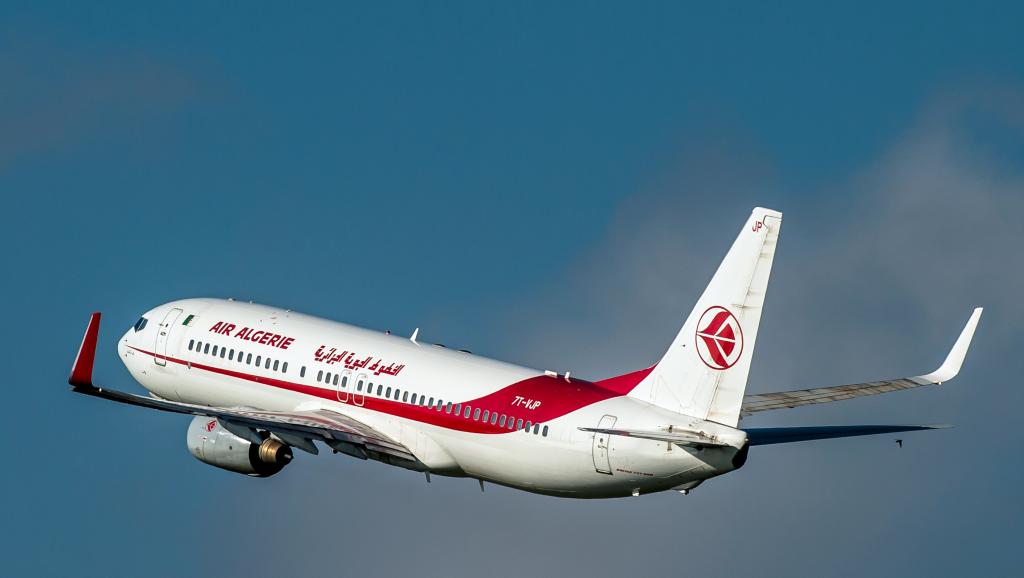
<point x="263" y="381"/>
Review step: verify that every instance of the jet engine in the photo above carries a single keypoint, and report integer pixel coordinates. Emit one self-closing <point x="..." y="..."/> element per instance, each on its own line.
<point x="211" y="444"/>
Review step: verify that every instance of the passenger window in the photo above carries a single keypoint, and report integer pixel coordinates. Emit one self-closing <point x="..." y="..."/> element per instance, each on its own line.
<point x="258" y="358"/>
<point x="380" y="389"/>
<point x="458" y="408"/>
<point x="231" y="355"/>
<point x="476" y="414"/>
<point x="327" y="378"/>
<point x="191" y="342"/>
<point x="405" y="397"/>
<point x="344" y="379"/>
<point x="431" y="403"/>
<point x="465" y="414"/>
<point x="206" y="349"/>
<point x="248" y="359"/>
<point x="359" y="385"/>
<point x="487" y="415"/>
<point x="302" y="371"/>
<point x="494" y="418"/>
<point x="320" y="375"/>
<point x="544" y="432"/>
<point x="414" y="399"/>
<point x="215" y="351"/>
<point x="388" y="394"/>
<point x="501" y="423"/>
<point x="335" y="379"/>
<point x="223" y="350"/>
<point x="536" y="428"/>
<point x="284" y="367"/>
<point x="519" y="423"/>
<point x="268" y="363"/>
<point x="528" y="426"/>
<point x="275" y="365"/>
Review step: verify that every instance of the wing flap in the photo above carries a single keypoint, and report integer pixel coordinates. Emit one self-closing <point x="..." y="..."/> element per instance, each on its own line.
<point x="948" y="370"/>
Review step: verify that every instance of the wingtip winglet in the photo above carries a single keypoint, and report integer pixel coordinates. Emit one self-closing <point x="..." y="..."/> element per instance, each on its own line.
<point x="81" y="371"/>
<point x="951" y="366"/>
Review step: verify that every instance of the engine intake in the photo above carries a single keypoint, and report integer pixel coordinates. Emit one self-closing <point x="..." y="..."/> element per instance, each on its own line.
<point x="210" y="443"/>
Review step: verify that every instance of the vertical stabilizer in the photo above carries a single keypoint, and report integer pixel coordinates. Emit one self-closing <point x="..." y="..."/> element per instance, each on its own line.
<point x="704" y="372"/>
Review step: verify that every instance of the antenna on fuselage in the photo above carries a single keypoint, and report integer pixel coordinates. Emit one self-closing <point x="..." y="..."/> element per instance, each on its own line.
<point x="414" y="334"/>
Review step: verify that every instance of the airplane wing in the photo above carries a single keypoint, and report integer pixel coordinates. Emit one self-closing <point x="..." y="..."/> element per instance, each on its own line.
<point x="948" y="370"/>
<point x="298" y="429"/>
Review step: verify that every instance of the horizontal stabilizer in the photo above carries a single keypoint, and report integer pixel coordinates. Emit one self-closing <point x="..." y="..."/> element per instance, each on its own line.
<point x="785" y="435"/>
<point x="678" y="437"/>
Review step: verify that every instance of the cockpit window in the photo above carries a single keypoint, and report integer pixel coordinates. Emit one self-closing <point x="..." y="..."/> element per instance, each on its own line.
<point x="140" y="324"/>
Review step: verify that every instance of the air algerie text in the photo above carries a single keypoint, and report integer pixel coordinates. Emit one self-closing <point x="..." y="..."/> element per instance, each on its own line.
<point x="248" y="334"/>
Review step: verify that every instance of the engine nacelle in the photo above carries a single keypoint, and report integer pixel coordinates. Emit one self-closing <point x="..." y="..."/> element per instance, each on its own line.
<point x="211" y="444"/>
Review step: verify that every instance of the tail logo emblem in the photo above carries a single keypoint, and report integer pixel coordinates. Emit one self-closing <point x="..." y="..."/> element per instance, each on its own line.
<point x="719" y="338"/>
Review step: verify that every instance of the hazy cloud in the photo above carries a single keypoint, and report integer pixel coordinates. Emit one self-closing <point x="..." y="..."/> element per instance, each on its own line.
<point x="54" y="98"/>
<point x="931" y="228"/>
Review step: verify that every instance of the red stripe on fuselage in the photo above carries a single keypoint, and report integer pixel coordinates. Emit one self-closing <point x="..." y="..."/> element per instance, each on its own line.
<point x="557" y="395"/>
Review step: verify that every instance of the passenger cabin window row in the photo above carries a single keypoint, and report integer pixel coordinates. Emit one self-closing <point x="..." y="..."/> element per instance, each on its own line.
<point x="392" y="393"/>
<point x="492" y="417"/>
<point x="459" y="410"/>
<point x="240" y="356"/>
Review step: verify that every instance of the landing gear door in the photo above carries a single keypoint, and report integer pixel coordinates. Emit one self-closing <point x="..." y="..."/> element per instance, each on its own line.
<point x="163" y="332"/>
<point x="602" y="461"/>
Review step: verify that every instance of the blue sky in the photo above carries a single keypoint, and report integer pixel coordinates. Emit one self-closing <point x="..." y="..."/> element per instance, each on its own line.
<point x="545" y="184"/>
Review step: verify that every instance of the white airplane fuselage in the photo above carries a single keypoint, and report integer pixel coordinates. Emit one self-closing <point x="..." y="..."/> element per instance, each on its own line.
<point x="261" y="381"/>
<point x="515" y="426"/>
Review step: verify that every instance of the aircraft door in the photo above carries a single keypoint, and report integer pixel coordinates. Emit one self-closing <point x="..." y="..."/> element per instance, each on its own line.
<point x="602" y="461"/>
<point x="163" y="332"/>
<point x="357" y="393"/>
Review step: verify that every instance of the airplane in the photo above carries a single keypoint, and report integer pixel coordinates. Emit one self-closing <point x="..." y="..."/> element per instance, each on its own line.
<point x="263" y="381"/>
